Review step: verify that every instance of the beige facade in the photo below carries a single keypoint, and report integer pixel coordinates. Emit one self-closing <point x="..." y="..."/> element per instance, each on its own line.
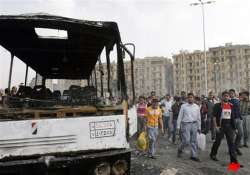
<point x="153" y="74"/>
<point x="189" y="72"/>
<point x="150" y="74"/>
<point x="227" y="67"/>
<point x="231" y="65"/>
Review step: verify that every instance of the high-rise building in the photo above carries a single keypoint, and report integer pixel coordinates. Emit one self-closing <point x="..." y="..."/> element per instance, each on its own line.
<point x="231" y="67"/>
<point x="153" y="74"/>
<point x="227" y="67"/>
<point x="150" y="74"/>
<point x="189" y="72"/>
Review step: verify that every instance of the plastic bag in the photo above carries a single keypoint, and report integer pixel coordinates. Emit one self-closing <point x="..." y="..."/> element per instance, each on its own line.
<point x="201" y="139"/>
<point x="142" y="141"/>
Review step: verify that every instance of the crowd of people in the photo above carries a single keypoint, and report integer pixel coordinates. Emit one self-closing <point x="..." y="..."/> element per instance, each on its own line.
<point x="182" y="118"/>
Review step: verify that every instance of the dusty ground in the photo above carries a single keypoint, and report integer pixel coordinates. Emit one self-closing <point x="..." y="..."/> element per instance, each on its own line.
<point x="167" y="162"/>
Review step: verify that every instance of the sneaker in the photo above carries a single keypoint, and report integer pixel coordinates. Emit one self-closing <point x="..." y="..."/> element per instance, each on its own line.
<point x="214" y="158"/>
<point x="195" y="159"/>
<point x="238" y="152"/>
<point x="151" y="157"/>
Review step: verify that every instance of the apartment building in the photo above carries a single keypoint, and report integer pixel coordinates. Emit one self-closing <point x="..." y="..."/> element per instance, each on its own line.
<point x="231" y="67"/>
<point x="228" y="67"/>
<point x="153" y="74"/>
<point x="150" y="74"/>
<point x="188" y="72"/>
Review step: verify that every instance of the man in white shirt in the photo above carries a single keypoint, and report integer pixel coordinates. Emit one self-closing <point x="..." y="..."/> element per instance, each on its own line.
<point x="189" y="124"/>
<point x="166" y="105"/>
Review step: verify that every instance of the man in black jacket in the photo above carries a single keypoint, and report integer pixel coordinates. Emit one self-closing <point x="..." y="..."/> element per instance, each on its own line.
<point x="224" y="122"/>
<point x="210" y="105"/>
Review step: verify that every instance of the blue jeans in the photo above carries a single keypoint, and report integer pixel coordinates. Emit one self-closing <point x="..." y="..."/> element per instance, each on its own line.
<point x="239" y="127"/>
<point x="174" y="130"/>
<point x="152" y="137"/>
<point x="189" y="137"/>
<point x="166" y="125"/>
<point x="246" y="128"/>
<point x="140" y="124"/>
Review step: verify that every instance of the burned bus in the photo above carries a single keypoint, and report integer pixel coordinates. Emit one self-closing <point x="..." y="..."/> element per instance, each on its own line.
<point x="74" y="131"/>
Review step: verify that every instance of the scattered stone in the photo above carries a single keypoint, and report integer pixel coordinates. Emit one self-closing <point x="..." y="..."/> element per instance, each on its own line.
<point x="171" y="171"/>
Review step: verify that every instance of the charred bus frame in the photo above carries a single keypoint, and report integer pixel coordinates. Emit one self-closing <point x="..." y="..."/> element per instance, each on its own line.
<point x="71" y="58"/>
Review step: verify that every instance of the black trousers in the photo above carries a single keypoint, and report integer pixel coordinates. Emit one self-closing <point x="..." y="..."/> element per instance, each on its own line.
<point x="226" y="129"/>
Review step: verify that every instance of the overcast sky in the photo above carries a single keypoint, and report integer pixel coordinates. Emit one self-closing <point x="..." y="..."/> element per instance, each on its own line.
<point x="157" y="27"/>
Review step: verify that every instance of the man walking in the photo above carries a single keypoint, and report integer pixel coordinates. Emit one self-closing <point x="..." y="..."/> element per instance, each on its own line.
<point x="183" y="97"/>
<point x="141" y="111"/>
<point x="154" y="119"/>
<point x="189" y="121"/>
<point x="238" y="119"/>
<point x="244" y="110"/>
<point x="149" y="99"/>
<point x="175" y="109"/>
<point x="210" y="104"/>
<point x="166" y="105"/>
<point x="224" y="122"/>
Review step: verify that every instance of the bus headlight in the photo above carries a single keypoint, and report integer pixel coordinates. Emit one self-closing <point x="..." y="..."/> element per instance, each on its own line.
<point x="120" y="167"/>
<point x="102" y="169"/>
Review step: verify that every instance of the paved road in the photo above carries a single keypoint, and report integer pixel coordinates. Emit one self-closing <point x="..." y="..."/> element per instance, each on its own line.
<point x="167" y="161"/>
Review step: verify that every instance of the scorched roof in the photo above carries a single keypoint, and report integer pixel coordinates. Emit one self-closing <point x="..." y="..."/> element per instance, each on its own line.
<point x="73" y="57"/>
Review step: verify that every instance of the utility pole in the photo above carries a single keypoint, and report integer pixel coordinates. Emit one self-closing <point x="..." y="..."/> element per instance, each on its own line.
<point x="202" y="4"/>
